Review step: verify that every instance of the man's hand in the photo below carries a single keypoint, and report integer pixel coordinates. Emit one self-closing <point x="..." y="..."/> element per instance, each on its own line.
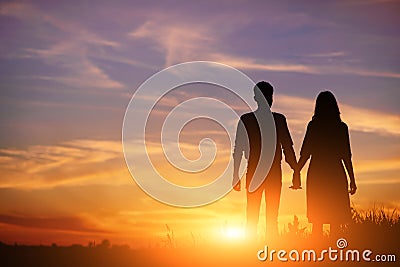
<point x="353" y="188"/>
<point x="296" y="181"/>
<point x="237" y="187"/>
<point x="236" y="182"/>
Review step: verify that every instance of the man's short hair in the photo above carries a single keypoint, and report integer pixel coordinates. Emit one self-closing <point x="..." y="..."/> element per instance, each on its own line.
<point x="266" y="89"/>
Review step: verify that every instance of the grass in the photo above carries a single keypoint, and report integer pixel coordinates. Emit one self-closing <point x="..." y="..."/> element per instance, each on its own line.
<point x="376" y="217"/>
<point x="377" y="229"/>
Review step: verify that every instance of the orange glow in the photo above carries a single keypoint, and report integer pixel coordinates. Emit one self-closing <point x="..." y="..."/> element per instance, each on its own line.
<point x="62" y="183"/>
<point x="233" y="233"/>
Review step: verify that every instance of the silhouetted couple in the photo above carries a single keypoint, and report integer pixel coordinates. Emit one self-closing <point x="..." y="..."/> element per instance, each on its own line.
<point x="327" y="143"/>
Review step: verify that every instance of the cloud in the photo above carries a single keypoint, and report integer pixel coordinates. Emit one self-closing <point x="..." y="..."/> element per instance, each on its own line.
<point x="179" y="42"/>
<point x="101" y="161"/>
<point x="368" y="2"/>
<point x="329" y="54"/>
<point x="38" y="19"/>
<point x="68" y="49"/>
<point x="75" y="224"/>
<point x="365" y="72"/>
<point x="191" y="41"/>
<point x="252" y="64"/>
<point x="208" y="40"/>
<point x="117" y="212"/>
<point x="69" y="163"/>
<point x="91" y="183"/>
<point x="300" y="110"/>
<point x="377" y="165"/>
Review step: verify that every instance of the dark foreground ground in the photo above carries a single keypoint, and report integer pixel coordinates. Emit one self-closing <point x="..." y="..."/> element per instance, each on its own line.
<point x="214" y="255"/>
<point x="376" y="230"/>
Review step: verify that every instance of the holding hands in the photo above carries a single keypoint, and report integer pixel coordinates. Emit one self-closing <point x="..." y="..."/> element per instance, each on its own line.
<point x="296" y="180"/>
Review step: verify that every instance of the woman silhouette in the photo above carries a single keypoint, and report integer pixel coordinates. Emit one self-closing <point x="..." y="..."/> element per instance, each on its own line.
<point x="327" y="142"/>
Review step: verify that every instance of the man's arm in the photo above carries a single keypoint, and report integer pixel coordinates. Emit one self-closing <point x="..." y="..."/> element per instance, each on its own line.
<point x="290" y="156"/>
<point x="240" y="146"/>
<point x="287" y="146"/>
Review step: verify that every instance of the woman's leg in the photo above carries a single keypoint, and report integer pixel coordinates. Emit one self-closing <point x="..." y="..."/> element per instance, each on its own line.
<point x="334" y="230"/>
<point x="317" y="229"/>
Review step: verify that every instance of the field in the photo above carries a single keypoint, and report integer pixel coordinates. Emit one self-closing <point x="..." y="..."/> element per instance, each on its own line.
<point x="376" y="230"/>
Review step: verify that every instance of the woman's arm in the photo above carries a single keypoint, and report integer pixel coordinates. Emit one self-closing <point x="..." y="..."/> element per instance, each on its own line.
<point x="348" y="162"/>
<point x="302" y="161"/>
<point x="305" y="151"/>
<point x="305" y="154"/>
<point x="349" y="167"/>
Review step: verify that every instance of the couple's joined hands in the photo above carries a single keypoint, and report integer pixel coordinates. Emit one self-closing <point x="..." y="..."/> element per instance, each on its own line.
<point x="296" y="181"/>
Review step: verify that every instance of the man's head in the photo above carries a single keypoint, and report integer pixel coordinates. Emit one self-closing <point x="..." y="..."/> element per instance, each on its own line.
<point x="266" y="91"/>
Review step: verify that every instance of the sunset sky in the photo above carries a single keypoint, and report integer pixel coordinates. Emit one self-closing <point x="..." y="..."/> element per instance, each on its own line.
<point x="70" y="68"/>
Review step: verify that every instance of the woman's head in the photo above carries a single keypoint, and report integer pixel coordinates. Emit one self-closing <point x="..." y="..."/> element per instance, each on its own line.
<point x="326" y="107"/>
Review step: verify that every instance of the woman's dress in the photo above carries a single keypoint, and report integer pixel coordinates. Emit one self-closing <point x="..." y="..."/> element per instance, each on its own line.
<point x="327" y="142"/>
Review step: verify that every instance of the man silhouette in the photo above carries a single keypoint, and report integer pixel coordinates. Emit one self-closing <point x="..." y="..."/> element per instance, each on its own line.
<point x="248" y="141"/>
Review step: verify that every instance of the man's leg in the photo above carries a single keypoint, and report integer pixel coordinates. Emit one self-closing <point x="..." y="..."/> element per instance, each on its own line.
<point x="252" y="212"/>
<point x="272" y="200"/>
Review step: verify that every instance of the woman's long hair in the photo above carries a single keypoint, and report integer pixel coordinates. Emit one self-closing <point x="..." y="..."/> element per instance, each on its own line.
<point x="326" y="107"/>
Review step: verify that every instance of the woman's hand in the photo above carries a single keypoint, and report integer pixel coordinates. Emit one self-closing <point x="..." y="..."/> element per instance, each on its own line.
<point x="353" y="188"/>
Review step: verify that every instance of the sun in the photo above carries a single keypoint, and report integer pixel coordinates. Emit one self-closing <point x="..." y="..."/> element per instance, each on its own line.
<point x="233" y="233"/>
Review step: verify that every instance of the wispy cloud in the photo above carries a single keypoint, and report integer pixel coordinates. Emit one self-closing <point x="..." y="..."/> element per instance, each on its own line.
<point x="275" y="66"/>
<point x="193" y="41"/>
<point x="252" y="64"/>
<point x="365" y="72"/>
<point x="359" y="119"/>
<point x="373" y="166"/>
<point x="70" y="163"/>
<point x="181" y="43"/>
<point x="75" y="224"/>
<point x="329" y="54"/>
<point x="69" y="49"/>
<point x="177" y="41"/>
